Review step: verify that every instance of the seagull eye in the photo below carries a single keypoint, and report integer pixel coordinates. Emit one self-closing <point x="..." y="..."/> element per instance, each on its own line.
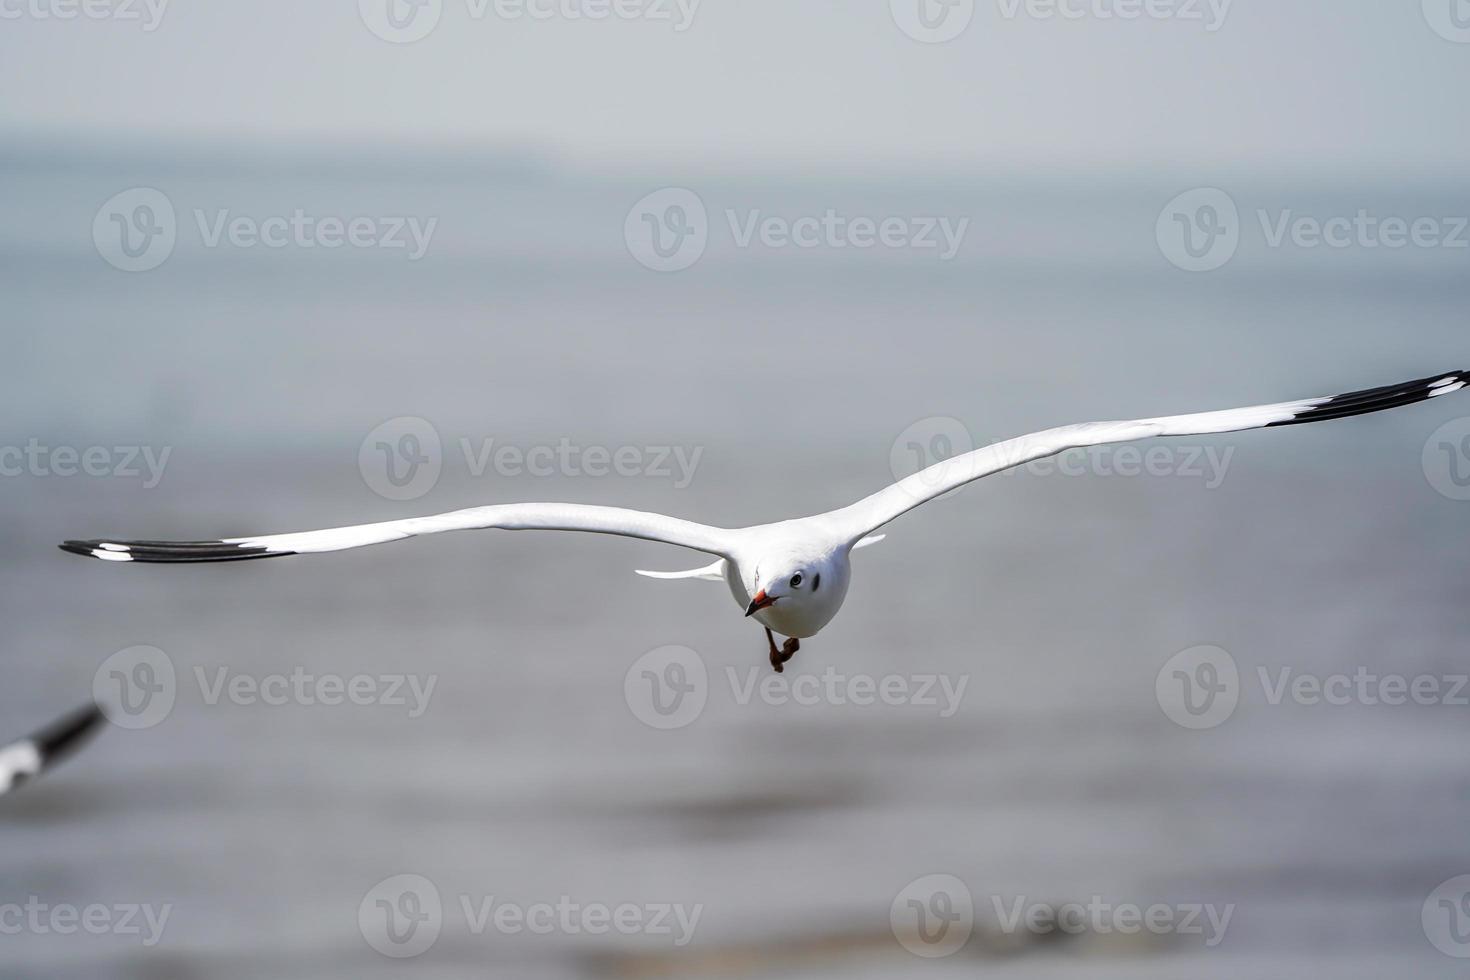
<point x="796" y="581"/>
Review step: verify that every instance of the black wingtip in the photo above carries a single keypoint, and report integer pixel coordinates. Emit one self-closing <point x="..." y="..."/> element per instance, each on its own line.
<point x="1380" y="399"/>
<point x="168" y="551"/>
<point x="63" y="737"/>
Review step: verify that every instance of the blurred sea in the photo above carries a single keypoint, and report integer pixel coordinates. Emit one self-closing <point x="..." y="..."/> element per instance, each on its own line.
<point x="527" y="321"/>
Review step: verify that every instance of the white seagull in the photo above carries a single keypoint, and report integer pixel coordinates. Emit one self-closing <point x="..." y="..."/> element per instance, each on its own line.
<point x="792" y="575"/>
<point x="28" y="757"/>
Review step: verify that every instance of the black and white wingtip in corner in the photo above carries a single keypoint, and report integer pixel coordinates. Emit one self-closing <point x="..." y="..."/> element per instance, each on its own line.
<point x="26" y="758"/>
<point x="171" y="551"/>
<point x="1378" y="399"/>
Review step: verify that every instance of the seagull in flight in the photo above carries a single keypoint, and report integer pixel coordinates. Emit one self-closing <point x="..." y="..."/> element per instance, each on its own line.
<point x="791" y="575"/>
<point x="30" y="756"/>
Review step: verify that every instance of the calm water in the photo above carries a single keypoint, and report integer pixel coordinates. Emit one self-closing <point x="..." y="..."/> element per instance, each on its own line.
<point x="1058" y="598"/>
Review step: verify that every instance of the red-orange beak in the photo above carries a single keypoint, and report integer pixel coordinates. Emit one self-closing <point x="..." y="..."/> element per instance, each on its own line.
<point x="760" y="602"/>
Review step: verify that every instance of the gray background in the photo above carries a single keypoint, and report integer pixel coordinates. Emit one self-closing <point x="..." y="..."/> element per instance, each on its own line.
<point x="1325" y="548"/>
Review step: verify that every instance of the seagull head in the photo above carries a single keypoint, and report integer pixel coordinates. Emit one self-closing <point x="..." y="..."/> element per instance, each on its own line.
<point x="797" y="594"/>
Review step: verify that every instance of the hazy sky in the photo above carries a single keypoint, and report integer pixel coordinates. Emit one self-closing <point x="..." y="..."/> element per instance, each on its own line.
<point x="1301" y="83"/>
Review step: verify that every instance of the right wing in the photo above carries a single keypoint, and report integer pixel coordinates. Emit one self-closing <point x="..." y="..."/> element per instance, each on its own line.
<point x="508" y="517"/>
<point x="872" y="512"/>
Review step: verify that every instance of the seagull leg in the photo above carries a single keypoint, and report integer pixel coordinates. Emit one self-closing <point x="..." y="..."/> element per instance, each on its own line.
<point x="776" y="658"/>
<point x="789" y="648"/>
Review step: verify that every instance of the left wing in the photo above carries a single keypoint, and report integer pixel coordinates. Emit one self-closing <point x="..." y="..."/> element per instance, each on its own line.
<point x="871" y="513"/>
<point x="28" y="757"/>
<point x="506" y="517"/>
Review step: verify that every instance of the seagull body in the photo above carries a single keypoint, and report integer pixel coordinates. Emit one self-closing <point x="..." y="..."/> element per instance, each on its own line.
<point x="28" y="757"/>
<point x="791" y="576"/>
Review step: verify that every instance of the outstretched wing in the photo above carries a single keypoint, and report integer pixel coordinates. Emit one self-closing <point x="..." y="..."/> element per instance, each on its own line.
<point x="30" y="756"/>
<point x="874" y="511"/>
<point x="508" y="517"/>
